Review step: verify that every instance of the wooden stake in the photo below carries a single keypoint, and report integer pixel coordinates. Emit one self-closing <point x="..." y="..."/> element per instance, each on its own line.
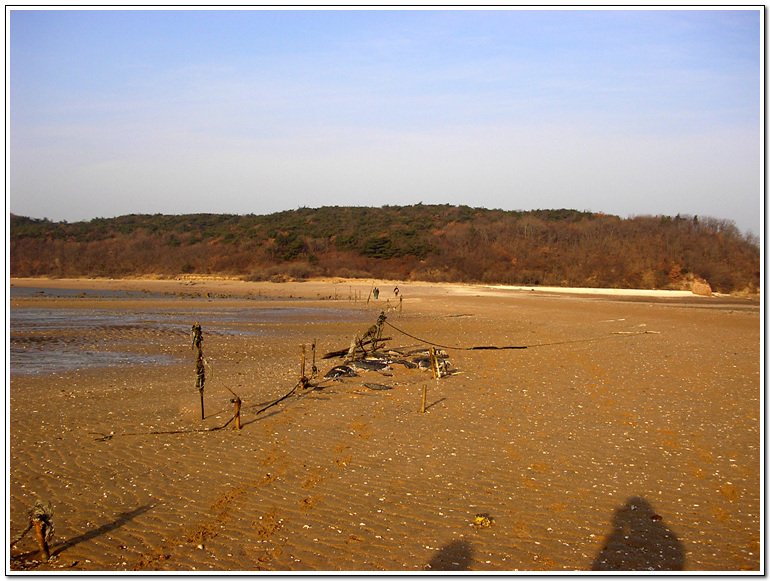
<point x="40" y="533"/>
<point x="200" y="370"/>
<point x="433" y="365"/>
<point x="237" y="402"/>
<point x="314" y="369"/>
<point x="303" y="381"/>
<point x="424" y="398"/>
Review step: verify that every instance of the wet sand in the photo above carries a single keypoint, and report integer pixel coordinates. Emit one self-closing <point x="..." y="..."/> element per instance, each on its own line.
<point x="625" y="436"/>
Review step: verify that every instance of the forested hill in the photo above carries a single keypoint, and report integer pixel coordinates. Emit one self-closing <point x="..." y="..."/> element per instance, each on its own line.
<point x="421" y="242"/>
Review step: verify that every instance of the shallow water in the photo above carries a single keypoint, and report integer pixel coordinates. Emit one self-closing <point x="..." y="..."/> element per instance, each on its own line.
<point x="24" y="292"/>
<point x="46" y="340"/>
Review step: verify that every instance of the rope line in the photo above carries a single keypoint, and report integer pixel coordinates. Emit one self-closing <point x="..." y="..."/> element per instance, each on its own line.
<point x="493" y="347"/>
<point x="21" y="535"/>
<point x="280" y="399"/>
<point x="456" y="348"/>
<point x="107" y="437"/>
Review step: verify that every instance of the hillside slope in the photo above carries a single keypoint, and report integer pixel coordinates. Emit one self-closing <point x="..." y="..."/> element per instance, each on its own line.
<point x="420" y="242"/>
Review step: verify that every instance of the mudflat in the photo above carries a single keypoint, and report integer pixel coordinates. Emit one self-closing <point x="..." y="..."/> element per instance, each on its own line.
<point x="622" y="432"/>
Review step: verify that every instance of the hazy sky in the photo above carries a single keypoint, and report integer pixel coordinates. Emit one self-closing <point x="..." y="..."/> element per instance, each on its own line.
<point x="145" y="111"/>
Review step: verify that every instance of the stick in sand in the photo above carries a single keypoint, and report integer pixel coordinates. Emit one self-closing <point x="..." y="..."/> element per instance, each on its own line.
<point x="200" y="371"/>
<point x="424" y="398"/>
<point x="237" y="417"/>
<point x="40" y="517"/>
<point x="40" y="534"/>
<point x="434" y="364"/>
<point x="314" y="369"/>
<point x="303" y="381"/>
<point x="237" y="402"/>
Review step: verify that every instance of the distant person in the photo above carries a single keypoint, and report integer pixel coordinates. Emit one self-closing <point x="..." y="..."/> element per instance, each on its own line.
<point x="395" y="291"/>
<point x="376" y="293"/>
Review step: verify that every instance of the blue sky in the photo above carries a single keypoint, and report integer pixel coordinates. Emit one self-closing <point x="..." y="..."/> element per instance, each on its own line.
<point x="620" y="111"/>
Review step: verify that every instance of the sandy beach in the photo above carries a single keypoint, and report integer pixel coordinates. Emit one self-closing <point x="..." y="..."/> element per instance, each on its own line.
<point x="622" y="433"/>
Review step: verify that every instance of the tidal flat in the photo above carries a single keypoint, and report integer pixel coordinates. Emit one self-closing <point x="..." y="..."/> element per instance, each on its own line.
<point x="623" y="433"/>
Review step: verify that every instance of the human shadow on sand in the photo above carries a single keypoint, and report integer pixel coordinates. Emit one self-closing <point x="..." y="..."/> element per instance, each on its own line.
<point x="454" y="556"/>
<point x="639" y="541"/>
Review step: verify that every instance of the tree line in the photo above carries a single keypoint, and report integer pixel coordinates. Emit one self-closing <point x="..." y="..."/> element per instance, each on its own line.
<point x="442" y="243"/>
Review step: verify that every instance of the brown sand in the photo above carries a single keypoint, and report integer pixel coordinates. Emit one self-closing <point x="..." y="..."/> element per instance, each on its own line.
<point x="626" y="436"/>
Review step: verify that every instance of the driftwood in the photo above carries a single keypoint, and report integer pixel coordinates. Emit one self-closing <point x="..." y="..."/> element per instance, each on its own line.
<point x="367" y="353"/>
<point x="357" y="344"/>
<point x="373" y="337"/>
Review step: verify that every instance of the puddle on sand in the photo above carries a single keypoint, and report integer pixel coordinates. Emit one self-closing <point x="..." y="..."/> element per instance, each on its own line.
<point x="46" y="340"/>
<point x="64" y="359"/>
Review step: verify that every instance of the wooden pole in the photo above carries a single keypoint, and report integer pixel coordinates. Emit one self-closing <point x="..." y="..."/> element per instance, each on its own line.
<point x="424" y="398"/>
<point x="40" y="533"/>
<point x="200" y="370"/>
<point x="433" y="365"/>
<point x="237" y="402"/>
<point x="314" y="369"/>
<point x="200" y="378"/>
<point x="303" y="381"/>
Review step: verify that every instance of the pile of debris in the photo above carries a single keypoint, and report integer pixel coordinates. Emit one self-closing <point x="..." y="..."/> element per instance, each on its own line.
<point x="382" y="362"/>
<point x="368" y="353"/>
